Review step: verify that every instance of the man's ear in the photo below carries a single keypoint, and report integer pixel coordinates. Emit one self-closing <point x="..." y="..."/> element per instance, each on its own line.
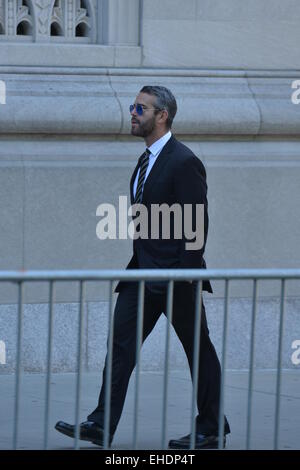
<point x="163" y="116"/>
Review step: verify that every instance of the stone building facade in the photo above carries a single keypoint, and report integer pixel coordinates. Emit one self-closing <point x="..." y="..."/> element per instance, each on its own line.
<point x="70" y="69"/>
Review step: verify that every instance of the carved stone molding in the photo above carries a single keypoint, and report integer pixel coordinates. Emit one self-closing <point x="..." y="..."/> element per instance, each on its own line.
<point x="42" y="9"/>
<point x="98" y="103"/>
<point x="48" y="20"/>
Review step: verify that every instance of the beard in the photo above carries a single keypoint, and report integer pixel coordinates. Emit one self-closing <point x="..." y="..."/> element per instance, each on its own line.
<point x="143" y="129"/>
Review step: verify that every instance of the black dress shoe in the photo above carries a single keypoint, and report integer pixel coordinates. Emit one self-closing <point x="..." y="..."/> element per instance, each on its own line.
<point x="202" y="441"/>
<point x="88" y="431"/>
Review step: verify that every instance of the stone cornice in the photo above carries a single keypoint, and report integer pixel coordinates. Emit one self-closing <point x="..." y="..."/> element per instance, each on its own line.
<point x="95" y="101"/>
<point x="129" y="70"/>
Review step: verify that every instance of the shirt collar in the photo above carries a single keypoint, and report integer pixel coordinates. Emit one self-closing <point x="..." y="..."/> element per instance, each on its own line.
<point x="157" y="146"/>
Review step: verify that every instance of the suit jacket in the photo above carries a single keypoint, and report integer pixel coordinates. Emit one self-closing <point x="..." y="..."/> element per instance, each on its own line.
<point x="177" y="176"/>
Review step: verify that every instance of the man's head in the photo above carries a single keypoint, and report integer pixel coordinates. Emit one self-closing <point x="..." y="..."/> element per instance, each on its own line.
<point x="153" y="112"/>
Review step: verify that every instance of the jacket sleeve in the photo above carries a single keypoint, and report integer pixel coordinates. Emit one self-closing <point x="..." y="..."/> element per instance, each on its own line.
<point x="191" y="194"/>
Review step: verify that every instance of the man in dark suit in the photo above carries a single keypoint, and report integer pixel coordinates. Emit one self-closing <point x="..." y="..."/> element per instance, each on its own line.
<point x="167" y="173"/>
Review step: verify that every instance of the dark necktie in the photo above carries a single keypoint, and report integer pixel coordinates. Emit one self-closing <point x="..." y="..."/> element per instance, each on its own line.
<point x="143" y="168"/>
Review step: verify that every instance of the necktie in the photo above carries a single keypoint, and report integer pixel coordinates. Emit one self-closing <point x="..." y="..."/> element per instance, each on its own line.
<point x="142" y="174"/>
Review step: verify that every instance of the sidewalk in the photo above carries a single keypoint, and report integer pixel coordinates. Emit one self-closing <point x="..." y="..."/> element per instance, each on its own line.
<point x="62" y="407"/>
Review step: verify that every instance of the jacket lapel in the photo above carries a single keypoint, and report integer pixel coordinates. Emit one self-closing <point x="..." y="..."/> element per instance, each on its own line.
<point x="155" y="170"/>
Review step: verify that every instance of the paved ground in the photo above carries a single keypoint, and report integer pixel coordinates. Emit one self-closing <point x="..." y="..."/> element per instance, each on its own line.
<point x="62" y="407"/>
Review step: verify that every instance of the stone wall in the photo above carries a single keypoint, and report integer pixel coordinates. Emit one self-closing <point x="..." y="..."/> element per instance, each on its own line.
<point x="65" y="148"/>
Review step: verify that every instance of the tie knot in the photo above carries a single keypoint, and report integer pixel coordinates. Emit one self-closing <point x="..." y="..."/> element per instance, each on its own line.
<point x="146" y="154"/>
<point x="145" y="157"/>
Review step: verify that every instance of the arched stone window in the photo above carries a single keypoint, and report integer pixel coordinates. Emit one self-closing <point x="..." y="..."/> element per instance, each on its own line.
<point x="67" y="20"/>
<point x="2" y="17"/>
<point x="74" y="20"/>
<point x="56" y="29"/>
<point x="83" y="18"/>
<point x="24" y="23"/>
<point x="101" y="23"/>
<point x="57" y="19"/>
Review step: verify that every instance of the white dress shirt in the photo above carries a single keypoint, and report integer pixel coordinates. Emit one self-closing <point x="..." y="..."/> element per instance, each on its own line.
<point x="155" y="150"/>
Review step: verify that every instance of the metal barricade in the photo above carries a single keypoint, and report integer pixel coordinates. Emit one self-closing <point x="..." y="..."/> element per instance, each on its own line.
<point x="170" y="275"/>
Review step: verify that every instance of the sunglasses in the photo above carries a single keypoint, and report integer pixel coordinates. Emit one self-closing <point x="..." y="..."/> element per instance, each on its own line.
<point x="140" y="108"/>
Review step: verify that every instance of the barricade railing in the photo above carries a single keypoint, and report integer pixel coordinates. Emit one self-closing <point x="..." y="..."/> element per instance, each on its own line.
<point x="141" y="276"/>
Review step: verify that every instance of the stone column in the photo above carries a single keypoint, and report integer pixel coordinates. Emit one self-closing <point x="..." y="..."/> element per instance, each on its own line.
<point x="43" y="10"/>
<point x="120" y="22"/>
<point x="11" y="18"/>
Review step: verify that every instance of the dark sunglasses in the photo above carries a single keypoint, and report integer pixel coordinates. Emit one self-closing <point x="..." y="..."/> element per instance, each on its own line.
<point x="139" y="108"/>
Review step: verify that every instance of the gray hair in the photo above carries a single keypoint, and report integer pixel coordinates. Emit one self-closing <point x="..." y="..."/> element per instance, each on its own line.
<point x="164" y="100"/>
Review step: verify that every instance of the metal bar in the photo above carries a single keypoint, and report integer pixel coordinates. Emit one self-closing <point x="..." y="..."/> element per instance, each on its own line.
<point x="139" y="333"/>
<point x="171" y="275"/>
<point x="197" y="336"/>
<point x="225" y="325"/>
<point x="166" y="371"/>
<point x="251" y="365"/>
<point x="18" y="365"/>
<point x="108" y="372"/>
<point x="150" y="274"/>
<point x="49" y="363"/>
<point x="279" y="361"/>
<point x="79" y="372"/>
